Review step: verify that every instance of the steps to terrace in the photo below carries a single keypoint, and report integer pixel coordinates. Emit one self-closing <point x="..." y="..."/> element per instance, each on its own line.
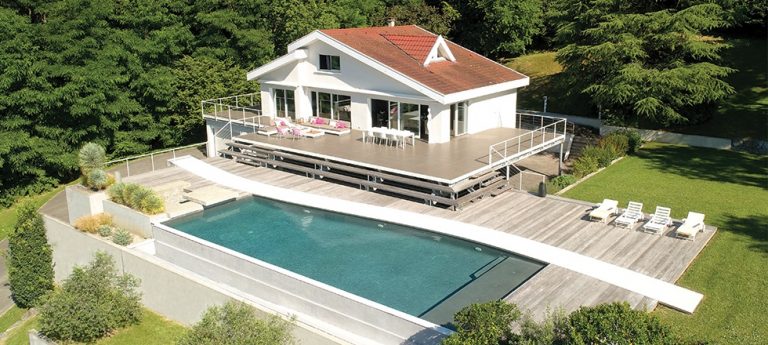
<point x="454" y="196"/>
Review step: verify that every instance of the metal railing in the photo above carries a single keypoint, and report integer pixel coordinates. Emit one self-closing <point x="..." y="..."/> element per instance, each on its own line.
<point x="541" y="126"/>
<point x="149" y="166"/>
<point x="242" y="109"/>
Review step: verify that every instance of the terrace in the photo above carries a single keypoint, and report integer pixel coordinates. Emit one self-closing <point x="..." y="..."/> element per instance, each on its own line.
<point x="466" y="168"/>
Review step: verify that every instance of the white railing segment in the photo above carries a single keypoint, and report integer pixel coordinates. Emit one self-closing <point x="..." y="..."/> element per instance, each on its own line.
<point x="536" y="139"/>
<point x="242" y="109"/>
<point x="127" y="160"/>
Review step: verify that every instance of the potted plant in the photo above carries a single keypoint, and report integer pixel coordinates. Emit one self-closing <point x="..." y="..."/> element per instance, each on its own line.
<point x="86" y="199"/>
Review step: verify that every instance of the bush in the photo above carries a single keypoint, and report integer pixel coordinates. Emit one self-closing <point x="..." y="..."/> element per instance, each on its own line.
<point x="484" y="324"/>
<point x="92" y="302"/>
<point x="97" y="179"/>
<point x="563" y="181"/>
<point x="30" y="260"/>
<point x="634" y="140"/>
<point x="603" y="155"/>
<point x="91" y="224"/>
<point x="122" y="237"/>
<point x="105" y="230"/>
<point x="617" y="142"/>
<point x="92" y="156"/>
<point x="136" y="197"/>
<point x="584" y="165"/>
<point x="615" y="323"/>
<point x="236" y="323"/>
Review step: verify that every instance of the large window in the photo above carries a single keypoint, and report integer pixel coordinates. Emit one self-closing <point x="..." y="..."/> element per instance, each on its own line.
<point x="330" y="63"/>
<point x="459" y="118"/>
<point x="285" y="106"/>
<point x="331" y="106"/>
<point x="403" y="116"/>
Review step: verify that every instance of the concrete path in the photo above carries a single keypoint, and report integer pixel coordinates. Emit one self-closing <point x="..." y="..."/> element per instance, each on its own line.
<point x="5" y="289"/>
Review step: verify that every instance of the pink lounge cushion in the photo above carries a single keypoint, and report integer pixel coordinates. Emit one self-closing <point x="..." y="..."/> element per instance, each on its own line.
<point x="341" y="124"/>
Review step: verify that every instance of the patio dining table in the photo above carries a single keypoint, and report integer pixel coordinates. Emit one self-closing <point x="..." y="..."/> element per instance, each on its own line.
<point x="403" y="134"/>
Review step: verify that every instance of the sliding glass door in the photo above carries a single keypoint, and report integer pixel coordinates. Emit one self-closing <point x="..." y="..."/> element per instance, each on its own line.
<point x="285" y="105"/>
<point x="459" y="118"/>
<point x="404" y="116"/>
<point x="331" y="106"/>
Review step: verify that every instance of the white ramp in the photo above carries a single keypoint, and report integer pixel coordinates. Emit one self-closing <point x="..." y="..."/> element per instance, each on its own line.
<point x="664" y="292"/>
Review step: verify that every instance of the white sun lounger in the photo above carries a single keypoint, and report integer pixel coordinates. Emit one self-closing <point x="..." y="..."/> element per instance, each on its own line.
<point x="692" y="225"/>
<point x="659" y="221"/>
<point x="632" y="215"/>
<point x="604" y="210"/>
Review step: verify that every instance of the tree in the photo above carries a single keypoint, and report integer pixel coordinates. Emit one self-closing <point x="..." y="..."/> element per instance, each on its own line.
<point x="236" y="323"/>
<point x="92" y="302"/>
<point x="498" y="28"/>
<point x="438" y="19"/>
<point x="657" y="67"/>
<point x="484" y="324"/>
<point x="30" y="260"/>
<point x="615" y="323"/>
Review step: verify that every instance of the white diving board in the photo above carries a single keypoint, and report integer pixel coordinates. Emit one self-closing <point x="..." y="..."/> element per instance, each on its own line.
<point x="666" y="293"/>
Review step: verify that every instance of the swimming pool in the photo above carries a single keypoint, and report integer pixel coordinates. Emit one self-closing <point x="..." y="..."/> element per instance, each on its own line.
<point x="415" y="271"/>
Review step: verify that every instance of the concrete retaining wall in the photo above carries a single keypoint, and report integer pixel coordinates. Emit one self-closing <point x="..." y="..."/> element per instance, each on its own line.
<point x="676" y="138"/>
<point x="337" y="309"/>
<point x="130" y="219"/>
<point x="166" y="289"/>
<point x="83" y="202"/>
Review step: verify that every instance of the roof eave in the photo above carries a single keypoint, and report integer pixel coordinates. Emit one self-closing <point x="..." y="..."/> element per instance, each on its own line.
<point x="294" y="55"/>
<point x="485" y="90"/>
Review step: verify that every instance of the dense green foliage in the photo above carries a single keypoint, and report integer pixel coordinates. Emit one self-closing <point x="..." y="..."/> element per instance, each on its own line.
<point x="137" y="197"/>
<point x="236" y="323"/>
<point x="92" y="302"/>
<point x="562" y="181"/>
<point x="730" y="271"/>
<point x="499" y="322"/>
<point x="30" y="260"/>
<point x="610" y="147"/>
<point x="640" y="60"/>
<point x="484" y="324"/>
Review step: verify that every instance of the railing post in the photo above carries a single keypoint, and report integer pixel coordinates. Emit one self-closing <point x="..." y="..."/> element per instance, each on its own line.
<point x="152" y="158"/>
<point x="127" y="168"/>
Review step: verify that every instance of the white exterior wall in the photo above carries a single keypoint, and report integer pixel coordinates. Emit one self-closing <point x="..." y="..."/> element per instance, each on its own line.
<point x="492" y="111"/>
<point x="363" y="83"/>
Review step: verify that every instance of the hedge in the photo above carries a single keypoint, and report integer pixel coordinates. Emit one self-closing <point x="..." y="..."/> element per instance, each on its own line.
<point x="137" y="197"/>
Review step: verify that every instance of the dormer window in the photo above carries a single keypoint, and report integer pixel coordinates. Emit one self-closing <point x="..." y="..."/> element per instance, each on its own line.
<point x="330" y="63"/>
<point x="439" y="52"/>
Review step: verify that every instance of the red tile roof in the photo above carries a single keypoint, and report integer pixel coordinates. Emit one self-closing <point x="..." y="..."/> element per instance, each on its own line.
<point x="404" y="49"/>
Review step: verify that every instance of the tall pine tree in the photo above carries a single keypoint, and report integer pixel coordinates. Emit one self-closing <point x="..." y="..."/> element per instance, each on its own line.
<point x="30" y="261"/>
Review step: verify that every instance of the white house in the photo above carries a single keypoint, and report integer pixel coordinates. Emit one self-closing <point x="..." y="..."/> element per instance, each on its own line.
<point x="401" y="77"/>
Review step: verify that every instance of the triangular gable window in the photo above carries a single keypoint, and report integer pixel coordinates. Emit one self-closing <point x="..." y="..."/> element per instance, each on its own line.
<point x="439" y="52"/>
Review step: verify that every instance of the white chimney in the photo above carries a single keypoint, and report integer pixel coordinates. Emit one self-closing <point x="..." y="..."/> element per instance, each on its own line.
<point x="391" y="22"/>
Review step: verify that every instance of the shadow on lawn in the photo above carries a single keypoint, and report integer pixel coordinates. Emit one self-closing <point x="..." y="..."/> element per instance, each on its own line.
<point x="710" y="164"/>
<point x="755" y="226"/>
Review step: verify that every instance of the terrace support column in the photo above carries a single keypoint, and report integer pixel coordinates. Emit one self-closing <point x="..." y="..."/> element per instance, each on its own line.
<point x="560" y="161"/>
<point x="210" y="145"/>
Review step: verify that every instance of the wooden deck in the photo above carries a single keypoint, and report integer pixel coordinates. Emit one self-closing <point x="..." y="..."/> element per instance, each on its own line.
<point x="446" y="163"/>
<point x="554" y="221"/>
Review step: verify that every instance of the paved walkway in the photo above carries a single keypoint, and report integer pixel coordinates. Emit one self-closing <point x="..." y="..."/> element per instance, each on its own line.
<point x="5" y="289"/>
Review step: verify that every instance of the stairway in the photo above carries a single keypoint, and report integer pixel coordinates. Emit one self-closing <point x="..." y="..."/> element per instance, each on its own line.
<point x="579" y="142"/>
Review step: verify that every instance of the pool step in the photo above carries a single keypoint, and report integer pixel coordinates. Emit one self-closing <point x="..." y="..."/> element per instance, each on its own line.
<point x="493" y="282"/>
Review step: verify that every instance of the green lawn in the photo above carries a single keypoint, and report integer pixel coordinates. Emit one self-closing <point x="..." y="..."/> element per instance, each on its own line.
<point x="731" y="188"/>
<point x="10" y="317"/>
<point x="8" y="215"/>
<point x="153" y="330"/>
<point x="546" y="80"/>
<point x="743" y="114"/>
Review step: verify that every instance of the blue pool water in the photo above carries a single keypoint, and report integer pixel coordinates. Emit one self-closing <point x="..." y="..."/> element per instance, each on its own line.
<point x="415" y="271"/>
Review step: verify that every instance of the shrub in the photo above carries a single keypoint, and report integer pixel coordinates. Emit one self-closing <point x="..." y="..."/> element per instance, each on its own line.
<point x="122" y="237"/>
<point x="484" y="324"/>
<point x="584" y="165"/>
<point x="91" y="303"/>
<point x="615" y="323"/>
<point x="634" y="140"/>
<point x="92" y="223"/>
<point x="563" y="181"/>
<point x="136" y="197"/>
<point x="551" y="330"/>
<point x="97" y="179"/>
<point x="92" y="156"/>
<point x="105" y="230"/>
<point x="30" y="260"/>
<point x="617" y="142"/>
<point x="603" y="155"/>
<point x="236" y="323"/>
